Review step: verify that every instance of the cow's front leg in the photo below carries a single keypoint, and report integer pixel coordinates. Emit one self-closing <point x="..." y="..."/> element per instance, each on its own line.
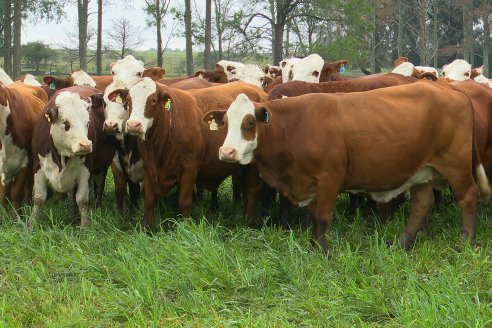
<point x="18" y="187"/>
<point x="187" y="182"/>
<point x="82" y="197"/>
<point x="99" y="183"/>
<point x="150" y="200"/>
<point x="40" y="192"/>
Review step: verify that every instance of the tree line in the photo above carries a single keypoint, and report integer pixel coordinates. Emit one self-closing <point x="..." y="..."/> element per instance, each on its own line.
<point x="369" y="33"/>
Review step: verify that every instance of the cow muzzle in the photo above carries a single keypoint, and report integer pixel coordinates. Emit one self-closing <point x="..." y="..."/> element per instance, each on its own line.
<point x="227" y="154"/>
<point x="83" y="148"/>
<point x="111" y="127"/>
<point x="134" y="127"/>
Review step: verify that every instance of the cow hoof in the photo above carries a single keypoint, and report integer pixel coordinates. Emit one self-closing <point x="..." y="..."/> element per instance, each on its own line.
<point x="406" y="241"/>
<point x="466" y="237"/>
<point x="85" y="224"/>
<point x="389" y="242"/>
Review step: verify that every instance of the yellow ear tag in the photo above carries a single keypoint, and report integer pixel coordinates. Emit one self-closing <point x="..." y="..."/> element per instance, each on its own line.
<point x="47" y="118"/>
<point x="167" y="105"/>
<point x="118" y="99"/>
<point x="213" y="125"/>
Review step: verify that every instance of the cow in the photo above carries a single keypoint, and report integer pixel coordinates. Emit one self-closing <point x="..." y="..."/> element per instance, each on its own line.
<point x="461" y="70"/>
<point x="404" y="67"/>
<point x="175" y="146"/>
<point x="69" y="147"/>
<point x="286" y="66"/>
<point x="272" y="71"/>
<point x="314" y="69"/>
<point x="333" y="139"/>
<point x="216" y="76"/>
<point x="31" y="80"/>
<point x="20" y="108"/>
<point x="228" y="66"/>
<point x="172" y="80"/>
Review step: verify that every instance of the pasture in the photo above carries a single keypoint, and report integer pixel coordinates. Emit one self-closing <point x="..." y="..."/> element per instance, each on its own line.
<point x="212" y="270"/>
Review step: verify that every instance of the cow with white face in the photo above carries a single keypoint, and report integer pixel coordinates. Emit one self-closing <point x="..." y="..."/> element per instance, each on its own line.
<point x="314" y="69"/>
<point x="252" y="74"/>
<point x="69" y="147"/>
<point x="286" y="66"/>
<point x="229" y="66"/>
<point x="458" y="70"/>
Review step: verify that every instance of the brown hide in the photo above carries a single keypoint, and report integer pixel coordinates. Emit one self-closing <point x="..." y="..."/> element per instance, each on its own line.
<point x="330" y="71"/>
<point x="37" y="92"/>
<point x="216" y="76"/>
<point x="269" y="83"/>
<point x="155" y="73"/>
<point x="193" y="83"/>
<point x="171" y="80"/>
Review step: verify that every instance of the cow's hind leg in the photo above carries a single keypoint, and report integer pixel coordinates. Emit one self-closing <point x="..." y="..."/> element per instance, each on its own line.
<point x="40" y="193"/>
<point x="120" y="182"/>
<point x="422" y="199"/>
<point x="18" y="186"/>
<point x="322" y="213"/>
<point x="187" y="182"/>
<point x="99" y="184"/>
<point x="467" y="193"/>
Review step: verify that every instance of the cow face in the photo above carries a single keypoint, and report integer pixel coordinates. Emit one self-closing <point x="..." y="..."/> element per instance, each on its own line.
<point x="155" y="73"/>
<point x="242" y="137"/>
<point x="250" y="74"/>
<point x="308" y="69"/>
<point x="127" y="71"/>
<point x="116" y="111"/>
<point x="404" y="68"/>
<point x="82" y="78"/>
<point x="4" y="108"/>
<point x="70" y="124"/>
<point x="330" y="71"/>
<point x="458" y="70"/>
<point x="286" y="67"/>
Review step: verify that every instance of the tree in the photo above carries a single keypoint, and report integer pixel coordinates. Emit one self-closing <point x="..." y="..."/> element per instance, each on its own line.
<point x="207" y="60"/>
<point x="189" y="41"/>
<point x="99" y="37"/>
<point x="83" y="17"/>
<point x="16" y="53"/>
<point x="34" y="53"/>
<point x="7" y="36"/>
<point x="156" y="11"/>
<point x="124" y="36"/>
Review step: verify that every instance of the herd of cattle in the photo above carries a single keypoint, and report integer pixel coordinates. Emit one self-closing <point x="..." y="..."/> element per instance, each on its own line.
<point x="301" y="129"/>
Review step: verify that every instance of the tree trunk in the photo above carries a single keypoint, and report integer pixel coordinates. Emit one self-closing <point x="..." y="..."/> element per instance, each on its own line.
<point x="435" y="34"/>
<point x="219" y="26"/>
<point x="207" y="60"/>
<point x="158" y="17"/>
<point x="486" y="36"/>
<point x="16" y="53"/>
<point x="7" y="37"/>
<point x="287" y="41"/>
<point x="277" y="46"/>
<point x="401" y="13"/>
<point x="83" y="6"/>
<point x="189" y="42"/>
<point x="372" y="50"/>
<point x="467" y="31"/>
<point x="99" y="38"/>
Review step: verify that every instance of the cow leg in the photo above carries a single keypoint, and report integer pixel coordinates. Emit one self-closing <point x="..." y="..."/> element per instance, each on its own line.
<point x="150" y="201"/>
<point x="253" y="190"/>
<point x="467" y="201"/>
<point x="17" y="188"/>
<point x="40" y="192"/>
<point x="422" y="199"/>
<point x="82" y="198"/>
<point x="383" y="212"/>
<point x="236" y="186"/>
<point x="322" y="213"/>
<point x="5" y="197"/>
<point x="285" y="211"/>
<point x="268" y="197"/>
<point x="119" y="188"/>
<point x="28" y="185"/>
<point x="99" y="184"/>
<point x="134" y="190"/>
<point x="214" y="200"/>
<point x="187" y="182"/>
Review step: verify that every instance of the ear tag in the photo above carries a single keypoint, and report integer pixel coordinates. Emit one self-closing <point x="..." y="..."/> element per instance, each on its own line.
<point x="267" y="117"/>
<point x="47" y="118"/>
<point x="118" y="99"/>
<point x="52" y="85"/>
<point x="213" y="125"/>
<point x="167" y="105"/>
<point x="342" y="69"/>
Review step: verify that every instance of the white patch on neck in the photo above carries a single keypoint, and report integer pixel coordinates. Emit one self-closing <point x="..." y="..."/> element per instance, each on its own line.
<point x="12" y="159"/>
<point x="459" y="70"/>
<point x="305" y="69"/>
<point x="66" y="179"/>
<point x="4" y="78"/>
<point x="234" y="139"/>
<point x="31" y="80"/>
<point x="82" y="78"/>
<point x="405" y="69"/>
<point x="139" y="94"/>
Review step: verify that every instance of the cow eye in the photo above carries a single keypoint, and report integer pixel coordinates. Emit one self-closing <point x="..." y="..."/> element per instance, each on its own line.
<point x="113" y="73"/>
<point x="139" y="74"/>
<point x="67" y="125"/>
<point x="315" y="73"/>
<point x="467" y="74"/>
<point x="443" y="74"/>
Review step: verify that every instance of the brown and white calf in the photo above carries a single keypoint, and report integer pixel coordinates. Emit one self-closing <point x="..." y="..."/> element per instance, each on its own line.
<point x="20" y="109"/>
<point x="176" y="147"/>
<point x="69" y="147"/>
<point x="315" y="69"/>
<point x="361" y="142"/>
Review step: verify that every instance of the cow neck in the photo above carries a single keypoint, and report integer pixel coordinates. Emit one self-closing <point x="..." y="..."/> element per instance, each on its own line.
<point x="59" y="160"/>
<point x="128" y="146"/>
<point x="23" y="120"/>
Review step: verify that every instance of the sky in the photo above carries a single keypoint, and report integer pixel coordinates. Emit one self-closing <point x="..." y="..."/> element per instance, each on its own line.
<point x="56" y="34"/>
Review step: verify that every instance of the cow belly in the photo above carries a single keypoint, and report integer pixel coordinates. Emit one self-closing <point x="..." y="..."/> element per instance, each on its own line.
<point x="423" y="175"/>
<point x="12" y="159"/>
<point x="66" y="179"/>
<point x="134" y="170"/>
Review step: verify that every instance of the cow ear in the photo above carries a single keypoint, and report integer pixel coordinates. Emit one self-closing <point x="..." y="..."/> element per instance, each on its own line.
<point x="263" y="115"/>
<point x="400" y="60"/>
<point x="214" y="116"/>
<point x="97" y="100"/>
<point x="266" y="69"/>
<point x="165" y="98"/>
<point x="428" y="76"/>
<point x="54" y="82"/>
<point x="200" y="73"/>
<point x="119" y="96"/>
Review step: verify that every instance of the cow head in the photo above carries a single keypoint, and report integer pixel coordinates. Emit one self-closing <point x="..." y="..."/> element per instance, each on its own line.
<point x="116" y="111"/>
<point x="228" y="66"/>
<point x="5" y="78"/>
<point x="458" y="70"/>
<point x="250" y="74"/>
<point x="30" y="80"/>
<point x="400" y="60"/>
<point x="331" y="71"/>
<point x="82" y="78"/>
<point x="4" y="107"/>
<point x="405" y="68"/>
<point x="69" y="120"/>
<point x="155" y="73"/>
<point x="217" y="76"/>
<point x="308" y="69"/>
<point x="144" y="99"/>
<point x="127" y="71"/>
<point x="55" y="83"/>
<point x="242" y="132"/>
<point x="286" y="67"/>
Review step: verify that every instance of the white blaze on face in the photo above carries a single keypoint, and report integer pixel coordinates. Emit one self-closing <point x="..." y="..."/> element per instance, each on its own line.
<point x="72" y="125"/>
<point x="308" y="69"/>
<point x="4" y="114"/>
<point x="31" y="80"/>
<point x="405" y="69"/>
<point x="459" y="70"/>
<point x="286" y="65"/>
<point x="82" y="78"/>
<point x="249" y="74"/>
<point x="241" y="107"/>
<point x="139" y="94"/>
<point x="115" y="113"/>
<point x="429" y="69"/>
<point x="226" y="63"/>
<point x="4" y="78"/>
<point x="127" y="71"/>
<point x="483" y="80"/>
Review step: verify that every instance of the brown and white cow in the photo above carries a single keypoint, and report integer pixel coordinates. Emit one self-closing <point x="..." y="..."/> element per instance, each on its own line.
<point x="361" y="142"/>
<point x="174" y="144"/>
<point x="19" y="111"/>
<point x="69" y="147"/>
<point x="315" y="69"/>
<point x="216" y="76"/>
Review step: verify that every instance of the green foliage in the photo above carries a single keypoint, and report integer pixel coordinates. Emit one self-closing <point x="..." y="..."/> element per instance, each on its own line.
<point x="36" y="52"/>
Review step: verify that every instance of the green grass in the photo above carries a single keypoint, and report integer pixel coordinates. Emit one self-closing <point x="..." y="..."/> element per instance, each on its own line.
<point x="213" y="271"/>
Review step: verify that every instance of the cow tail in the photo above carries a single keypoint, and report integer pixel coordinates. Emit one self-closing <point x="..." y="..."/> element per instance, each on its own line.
<point x="479" y="172"/>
